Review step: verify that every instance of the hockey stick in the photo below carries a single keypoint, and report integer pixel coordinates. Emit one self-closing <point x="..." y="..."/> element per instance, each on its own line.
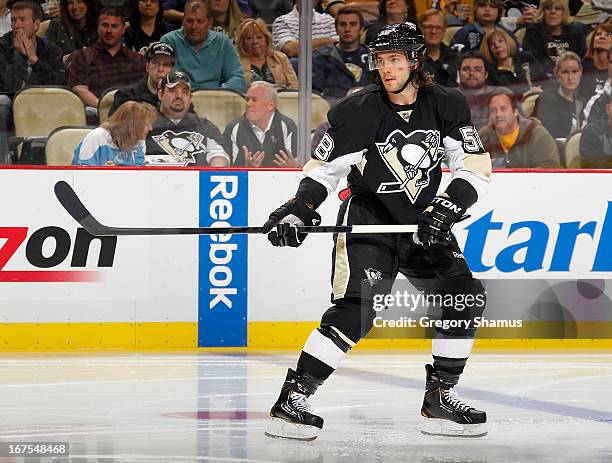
<point x="73" y="205"/>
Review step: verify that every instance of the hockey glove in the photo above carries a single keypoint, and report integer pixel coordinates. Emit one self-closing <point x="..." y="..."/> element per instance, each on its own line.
<point x="435" y="222"/>
<point x="294" y="213"/>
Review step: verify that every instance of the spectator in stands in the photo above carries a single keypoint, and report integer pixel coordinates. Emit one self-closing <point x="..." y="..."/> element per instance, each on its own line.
<point x="595" y="61"/>
<point x="472" y="83"/>
<point x="25" y="59"/>
<point x="508" y="66"/>
<point x="76" y="26"/>
<point x="147" y="25"/>
<point x="180" y="137"/>
<point x="513" y="140"/>
<point x="226" y="16"/>
<point x="174" y="11"/>
<point x="120" y="139"/>
<point x="208" y="56"/>
<point x="258" y="58"/>
<point x="286" y="28"/>
<point x="552" y="34"/>
<point x="269" y="10"/>
<point x="456" y="12"/>
<point x="105" y="64"/>
<point x="487" y="14"/>
<point x="596" y="141"/>
<point x="369" y="8"/>
<point x="263" y="136"/>
<point x="160" y="61"/>
<point x="391" y="12"/>
<point x="342" y="66"/>
<point x="519" y="13"/>
<point x="560" y="107"/>
<point x="440" y="60"/>
<point x="5" y="18"/>
<point x="596" y="106"/>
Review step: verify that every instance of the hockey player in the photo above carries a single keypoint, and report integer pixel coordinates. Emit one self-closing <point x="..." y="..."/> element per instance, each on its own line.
<point x="390" y="139"/>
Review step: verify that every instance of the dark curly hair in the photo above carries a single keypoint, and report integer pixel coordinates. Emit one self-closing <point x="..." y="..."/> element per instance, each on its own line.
<point x="410" y="14"/>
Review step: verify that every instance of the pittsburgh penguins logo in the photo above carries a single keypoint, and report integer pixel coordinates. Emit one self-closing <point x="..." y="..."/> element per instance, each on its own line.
<point x="410" y="158"/>
<point x="181" y="147"/>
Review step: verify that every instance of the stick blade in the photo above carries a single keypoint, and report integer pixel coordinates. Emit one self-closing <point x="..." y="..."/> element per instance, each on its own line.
<point x="73" y="205"/>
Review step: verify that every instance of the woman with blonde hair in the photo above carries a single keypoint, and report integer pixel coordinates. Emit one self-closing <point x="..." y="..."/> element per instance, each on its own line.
<point x="559" y="109"/>
<point x="595" y="61"/>
<point x="226" y="16"/>
<point x="552" y="34"/>
<point x="259" y="60"/>
<point x="119" y="141"/>
<point x="508" y="66"/>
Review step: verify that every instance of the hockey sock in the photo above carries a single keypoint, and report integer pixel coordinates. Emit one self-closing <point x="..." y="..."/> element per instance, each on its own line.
<point x="450" y="356"/>
<point x="325" y="348"/>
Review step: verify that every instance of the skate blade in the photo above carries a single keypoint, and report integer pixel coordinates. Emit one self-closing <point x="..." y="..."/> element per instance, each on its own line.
<point x="438" y="427"/>
<point x="278" y="427"/>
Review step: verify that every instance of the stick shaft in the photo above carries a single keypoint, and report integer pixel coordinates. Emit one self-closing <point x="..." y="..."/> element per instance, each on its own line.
<point x="73" y="205"/>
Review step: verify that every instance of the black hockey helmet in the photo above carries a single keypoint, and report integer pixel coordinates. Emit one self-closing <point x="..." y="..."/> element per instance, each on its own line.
<point x="398" y="37"/>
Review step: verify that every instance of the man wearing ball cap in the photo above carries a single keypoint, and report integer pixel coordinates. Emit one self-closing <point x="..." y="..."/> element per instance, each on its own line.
<point x="180" y="137"/>
<point x="160" y="59"/>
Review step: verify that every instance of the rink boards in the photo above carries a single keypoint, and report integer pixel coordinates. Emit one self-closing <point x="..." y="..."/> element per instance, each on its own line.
<point x="61" y="289"/>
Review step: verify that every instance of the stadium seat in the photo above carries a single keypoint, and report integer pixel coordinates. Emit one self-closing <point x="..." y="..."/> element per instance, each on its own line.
<point x="218" y="105"/>
<point x="288" y="105"/>
<point x="42" y="30"/>
<point x="520" y="35"/>
<point x="61" y="144"/>
<point x="529" y="104"/>
<point x="37" y="111"/>
<point x="572" y="151"/>
<point x="105" y="103"/>
<point x="450" y="33"/>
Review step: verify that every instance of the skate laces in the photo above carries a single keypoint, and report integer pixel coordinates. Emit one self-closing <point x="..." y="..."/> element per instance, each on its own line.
<point x="454" y="400"/>
<point x="300" y="402"/>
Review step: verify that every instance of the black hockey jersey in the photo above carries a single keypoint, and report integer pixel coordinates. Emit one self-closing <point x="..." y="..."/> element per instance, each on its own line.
<point x="396" y="155"/>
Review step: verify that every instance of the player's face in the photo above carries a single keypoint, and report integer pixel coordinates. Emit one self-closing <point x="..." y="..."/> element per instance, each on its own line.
<point x="486" y="14"/>
<point x="433" y="29"/>
<point x="499" y="48"/>
<point x="195" y="25"/>
<point x="553" y="14"/>
<point x="349" y="28"/>
<point x="394" y="69"/>
<point x="258" y="108"/>
<point x="569" y="75"/>
<point x="502" y="115"/>
<point x="175" y="101"/>
<point x="472" y="74"/>
<point x="159" y="67"/>
<point x="110" y="30"/>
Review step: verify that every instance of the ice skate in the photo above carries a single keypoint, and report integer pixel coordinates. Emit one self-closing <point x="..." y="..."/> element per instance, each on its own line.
<point x="444" y="413"/>
<point x="291" y="416"/>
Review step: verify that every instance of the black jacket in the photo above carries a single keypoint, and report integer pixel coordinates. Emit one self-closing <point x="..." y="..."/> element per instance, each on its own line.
<point x="544" y="47"/>
<point x="445" y="69"/>
<point x="557" y="114"/>
<point x="135" y="92"/>
<point x="49" y="70"/>
<point x="331" y="77"/>
<point x="526" y="70"/>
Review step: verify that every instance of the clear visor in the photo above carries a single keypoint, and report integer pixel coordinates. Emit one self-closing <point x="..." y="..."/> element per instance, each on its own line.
<point x="378" y="62"/>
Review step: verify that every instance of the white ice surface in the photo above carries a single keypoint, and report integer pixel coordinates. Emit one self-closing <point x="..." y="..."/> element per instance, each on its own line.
<point x="212" y="407"/>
